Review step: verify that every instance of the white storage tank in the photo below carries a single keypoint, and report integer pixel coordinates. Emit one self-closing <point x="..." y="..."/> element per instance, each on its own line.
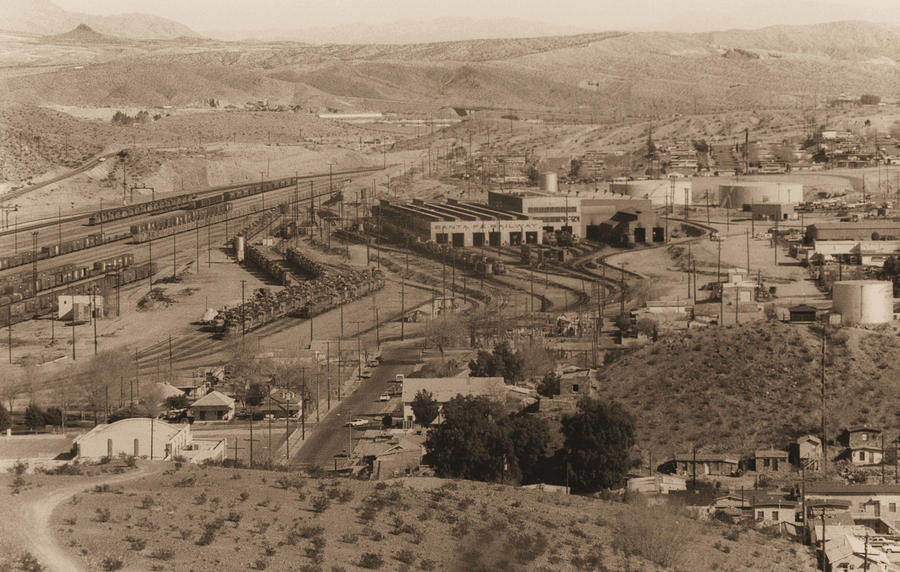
<point x="549" y="182"/>
<point x="738" y="195"/>
<point x="239" y="248"/>
<point x="863" y="301"/>
<point x="660" y="191"/>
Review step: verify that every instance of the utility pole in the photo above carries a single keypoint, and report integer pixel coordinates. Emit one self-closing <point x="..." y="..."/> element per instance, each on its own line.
<point x="748" y="252"/>
<point x="243" y="321"/>
<point x="94" y="314"/>
<point x="34" y="283"/>
<point x="402" y="306"/>
<point x="824" y="434"/>
<point x="174" y="257"/>
<point x="358" y="346"/>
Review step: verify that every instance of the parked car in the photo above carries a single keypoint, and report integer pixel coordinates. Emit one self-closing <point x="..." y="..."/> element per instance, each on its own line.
<point x="372" y="363"/>
<point x="357" y="422"/>
<point x="365" y="374"/>
<point x="399" y="378"/>
<point x="384" y="397"/>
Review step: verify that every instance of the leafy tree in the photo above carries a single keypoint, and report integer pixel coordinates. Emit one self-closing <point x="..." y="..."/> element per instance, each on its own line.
<point x="5" y="420"/>
<point x="502" y="362"/>
<point x="549" y="386"/>
<point x="472" y="442"/>
<point x="647" y="327"/>
<point x="256" y="394"/>
<point x="53" y="416"/>
<point x="598" y="442"/>
<point x="623" y="322"/>
<point x="34" y="416"/>
<point x="529" y="436"/>
<point x="177" y="402"/>
<point x="425" y="407"/>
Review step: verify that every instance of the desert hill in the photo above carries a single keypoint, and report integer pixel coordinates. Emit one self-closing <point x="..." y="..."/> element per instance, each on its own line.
<point x="215" y="519"/>
<point x="82" y="34"/>
<point x="737" y="389"/>
<point x="43" y="17"/>
<point x="650" y="73"/>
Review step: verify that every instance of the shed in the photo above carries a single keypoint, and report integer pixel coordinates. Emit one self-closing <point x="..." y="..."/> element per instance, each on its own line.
<point x="138" y="436"/>
<point x="803" y="313"/>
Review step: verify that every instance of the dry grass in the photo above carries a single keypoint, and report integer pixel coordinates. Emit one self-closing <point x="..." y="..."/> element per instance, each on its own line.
<point x="261" y="522"/>
<point x="740" y="388"/>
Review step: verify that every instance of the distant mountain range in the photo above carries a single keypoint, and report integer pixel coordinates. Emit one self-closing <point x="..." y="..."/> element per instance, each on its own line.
<point x="407" y="32"/>
<point x="43" y="17"/>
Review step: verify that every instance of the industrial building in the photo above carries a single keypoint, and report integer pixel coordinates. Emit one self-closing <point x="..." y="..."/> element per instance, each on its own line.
<point x="863" y="230"/>
<point x="863" y="302"/>
<point x="660" y="192"/>
<point x="586" y="215"/>
<point x="744" y="195"/>
<point x="632" y="226"/>
<point x="460" y="224"/>
<point x="864" y="252"/>
<point x="773" y="211"/>
<point x="557" y="212"/>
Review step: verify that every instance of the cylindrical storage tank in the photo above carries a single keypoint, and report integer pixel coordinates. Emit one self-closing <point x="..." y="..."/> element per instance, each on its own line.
<point x="863" y="301"/>
<point x="739" y="195"/>
<point x="239" y="248"/>
<point x="549" y="182"/>
<point x="660" y="191"/>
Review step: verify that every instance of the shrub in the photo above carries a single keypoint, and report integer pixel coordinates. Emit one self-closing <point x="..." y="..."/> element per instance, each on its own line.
<point x="103" y="515"/>
<point x="234" y="517"/>
<point x="320" y="504"/>
<point x="310" y="531"/>
<point x="147" y="502"/>
<point x="163" y="554"/>
<point x="406" y="556"/>
<point x="260" y="564"/>
<point x="371" y="561"/>
<point x="137" y="544"/>
<point x="111" y="563"/>
<point x="657" y="536"/>
<point x="349" y="537"/>
<point x="29" y="563"/>
<point x="426" y="564"/>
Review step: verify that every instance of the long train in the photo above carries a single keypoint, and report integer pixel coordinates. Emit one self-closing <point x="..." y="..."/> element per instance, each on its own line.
<point x="25" y="284"/>
<point x="66" y="247"/>
<point x="15" y="308"/>
<point x="168" y="226"/>
<point x="303" y="299"/>
<point x="193" y="201"/>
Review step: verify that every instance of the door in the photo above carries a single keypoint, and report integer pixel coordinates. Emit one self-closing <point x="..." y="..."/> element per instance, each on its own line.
<point x="877" y="505"/>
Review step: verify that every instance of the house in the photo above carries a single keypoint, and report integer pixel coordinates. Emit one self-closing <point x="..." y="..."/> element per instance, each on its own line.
<point x="866" y="502"/>
<point x="192" y="388"/>
<point x="802" y="313"/>
<point x="772" y="461"/>
<point x="575" y="384"/>
<point x="657" y="484"/>
<point x="281" y="402"/>
<point x="866" y="446"/>
<point x="214" y="406"/>
<point x="809" y="452"/>
<point x="390" y="456"/>
<point x="707" y="464"/>
<point x="769" y="510"/>
<point x="847" y="549"/>
<point x="443" y="389"/>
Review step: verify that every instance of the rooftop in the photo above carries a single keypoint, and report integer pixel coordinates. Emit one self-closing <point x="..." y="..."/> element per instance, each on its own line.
<point x="446" y="388"/>
<point x="214" y="399"/>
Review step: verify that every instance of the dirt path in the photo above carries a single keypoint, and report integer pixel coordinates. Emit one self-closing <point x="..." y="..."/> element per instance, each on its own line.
<point x="35" y="528"/>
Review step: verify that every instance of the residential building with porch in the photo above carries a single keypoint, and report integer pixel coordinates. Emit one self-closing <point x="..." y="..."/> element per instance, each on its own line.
<point x="866" y="446"/>
<point x="443" y="389"/>
<point x="705" y="464"/>
<point x="214" y="406"/>
<point x="772" y="461"/>
<point x="809" y="453"/>
<point x="863" y="502"/>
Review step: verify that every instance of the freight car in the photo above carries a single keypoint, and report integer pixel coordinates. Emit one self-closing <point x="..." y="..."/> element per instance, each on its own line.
<point x="150" y="207"/>
<point x="67" y="247"/>
<point x="27" y="284"/>
<point x="16" y="307"/>
<point x="174" y="224"/>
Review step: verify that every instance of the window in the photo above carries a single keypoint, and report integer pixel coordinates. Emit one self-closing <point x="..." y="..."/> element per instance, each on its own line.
<point x="760" y="515"/>
<point x="865" y="436"/>
<point x="892" y="507"/>
<point x="774" y="515"/>
<point x="862" y="455"/>
<point x="574" y="388"/>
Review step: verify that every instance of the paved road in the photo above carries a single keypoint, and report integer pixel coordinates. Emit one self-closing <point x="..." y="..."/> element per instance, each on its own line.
<point x="331" y="437"/>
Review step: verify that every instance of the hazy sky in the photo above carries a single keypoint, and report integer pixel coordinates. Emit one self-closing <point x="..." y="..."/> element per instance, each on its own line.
<point x="587" y="14"/>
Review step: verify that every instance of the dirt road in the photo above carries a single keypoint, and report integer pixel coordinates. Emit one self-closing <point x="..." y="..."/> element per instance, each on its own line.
<point x="33" y="527"/>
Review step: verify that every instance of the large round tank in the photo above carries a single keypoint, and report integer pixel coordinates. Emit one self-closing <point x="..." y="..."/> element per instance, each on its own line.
<point x="660" y="191"/>
<point x="239" y="248"/>
<point x="549" y="182"/>
<point x="863" y="301"/>
<point x="738" y="195"/>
